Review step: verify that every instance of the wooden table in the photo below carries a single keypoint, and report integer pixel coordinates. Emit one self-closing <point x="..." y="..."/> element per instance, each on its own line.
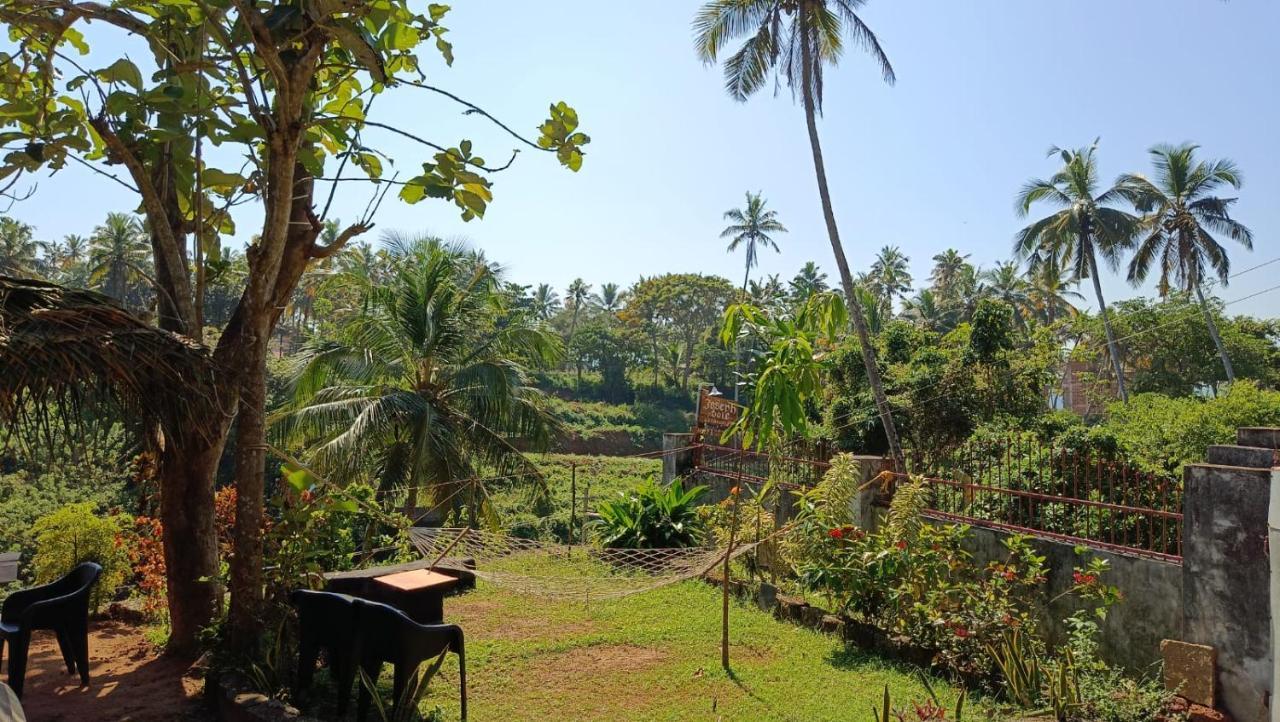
<point x="424" y="605"/>
<point x="419" y="593"/>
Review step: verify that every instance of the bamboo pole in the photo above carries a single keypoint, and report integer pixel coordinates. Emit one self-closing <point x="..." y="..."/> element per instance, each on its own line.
<point x="735" y="492"/>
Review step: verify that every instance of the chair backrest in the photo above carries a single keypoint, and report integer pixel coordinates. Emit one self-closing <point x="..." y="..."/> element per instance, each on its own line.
<point x="385" y="633"/>
<point x="325" y="616"/>
<point x="77" y="582"/>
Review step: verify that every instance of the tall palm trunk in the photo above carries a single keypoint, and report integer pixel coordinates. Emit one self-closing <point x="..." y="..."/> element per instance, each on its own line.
<point x="1213" y="333"/>
<point x="846" y="278"/>
<point x="1106" y="322"/>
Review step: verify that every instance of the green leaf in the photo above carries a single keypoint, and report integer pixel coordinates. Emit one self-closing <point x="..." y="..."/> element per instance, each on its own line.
<point x="357" y="40"/>
<point x="122" y="71"/>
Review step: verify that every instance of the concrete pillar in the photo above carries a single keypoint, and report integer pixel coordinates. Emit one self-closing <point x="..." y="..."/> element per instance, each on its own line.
<point x="1226" y="572"/>
<point x="677" y="463"/>
<point x="869" y="499"/>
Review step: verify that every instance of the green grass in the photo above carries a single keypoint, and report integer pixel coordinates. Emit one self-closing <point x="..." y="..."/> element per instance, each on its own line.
<point x="655" y="656"/>
<point x="599" y="476"/>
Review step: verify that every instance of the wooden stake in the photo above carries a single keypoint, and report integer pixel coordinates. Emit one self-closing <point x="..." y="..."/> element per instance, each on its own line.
<point x="449" y="548"/>
<point x="728" y="556"/>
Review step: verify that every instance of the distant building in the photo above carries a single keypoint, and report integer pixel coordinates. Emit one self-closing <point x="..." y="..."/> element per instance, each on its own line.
<point x="1085" y="391"/>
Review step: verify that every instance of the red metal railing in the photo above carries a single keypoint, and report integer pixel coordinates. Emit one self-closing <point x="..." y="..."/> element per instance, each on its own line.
<point x="1024" y="485"/>
<point x="1015" y="484"/>
<point x="753" y="467"/>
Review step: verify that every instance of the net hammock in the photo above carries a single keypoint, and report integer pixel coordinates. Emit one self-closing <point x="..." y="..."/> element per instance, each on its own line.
<point x="565" y="571"/>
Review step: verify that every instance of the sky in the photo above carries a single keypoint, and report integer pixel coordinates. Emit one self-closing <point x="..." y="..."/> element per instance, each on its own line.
<point x="984" y="88"/>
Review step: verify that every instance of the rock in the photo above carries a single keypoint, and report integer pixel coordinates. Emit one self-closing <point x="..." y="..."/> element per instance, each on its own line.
<point x="1189" y="671"/>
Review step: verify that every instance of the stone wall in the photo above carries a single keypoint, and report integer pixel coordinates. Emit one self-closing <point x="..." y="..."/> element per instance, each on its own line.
<point x="1131" y="634"/>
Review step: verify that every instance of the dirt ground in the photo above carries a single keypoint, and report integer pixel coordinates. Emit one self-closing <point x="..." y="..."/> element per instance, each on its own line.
<point x="128" y="680"/>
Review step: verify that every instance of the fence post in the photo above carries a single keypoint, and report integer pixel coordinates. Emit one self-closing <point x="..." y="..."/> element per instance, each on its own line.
<point x="677" y="457"/>
<point x="864" y="504"/>
<point x="1226" y="572"/>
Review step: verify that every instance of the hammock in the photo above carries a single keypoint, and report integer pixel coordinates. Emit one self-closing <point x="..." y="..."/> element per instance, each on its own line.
<point x="565" y="571"/>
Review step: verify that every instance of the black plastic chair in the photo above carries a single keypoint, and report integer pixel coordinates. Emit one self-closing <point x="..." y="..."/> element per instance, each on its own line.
<point x="326" y="621"/>
<point x="385" y="634"/>
<point x="63" y="607"/>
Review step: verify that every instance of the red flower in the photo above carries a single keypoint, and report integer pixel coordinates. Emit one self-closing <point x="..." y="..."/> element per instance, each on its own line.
<point x="961" y="632"/>
<point x="1009" y="575"/>
<point x="836" y="533"/>
<point x="1083" y="580"/>
<point x="901" y="545"/>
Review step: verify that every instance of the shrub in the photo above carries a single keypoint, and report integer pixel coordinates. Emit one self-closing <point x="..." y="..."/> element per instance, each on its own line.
<point x="911" y="578"/>
<point x="75" y="534"/>
<point x="1163" y="434"/>
<point x="652" y="517"/>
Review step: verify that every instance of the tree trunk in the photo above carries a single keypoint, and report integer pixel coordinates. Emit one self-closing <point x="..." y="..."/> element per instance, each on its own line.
<point x="1213" y="333"/>
<point x="846" y="278"/>
<point x="1106" y="324"/>
<point x="186" y="468"/>
<point x="250" y="462"/>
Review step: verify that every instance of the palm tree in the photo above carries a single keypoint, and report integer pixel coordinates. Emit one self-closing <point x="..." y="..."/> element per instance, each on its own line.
<point x="889" y="278"/>
<point x="610" y="298"/>
<point x="424" y="390"/>
<point x="576" y="296"/>
<point x="17" y="248"/>
<point x="925" y="310"/>
<point x="1006" y="283"/>
<point x="766" y="293"/>
<point x="794" y="40"/>
<point x="750" y="227"/>
<point x="1181" y="217"/>
<point x="1085" y="227"/>
<point x="1049" y="291"/>
<point x="545" y="301"/>
<point x="118" y="249"/>
<point x="809" y="280"/>
<point x="948" y="267"/>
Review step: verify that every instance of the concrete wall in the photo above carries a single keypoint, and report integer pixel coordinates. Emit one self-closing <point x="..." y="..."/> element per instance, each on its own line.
<point x="1226" y="590"/>
<point x="1130" y="636"/>
<point x="678" y="463"/>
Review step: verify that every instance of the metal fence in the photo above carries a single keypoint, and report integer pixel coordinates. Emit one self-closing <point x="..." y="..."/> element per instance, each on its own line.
<point x="1021" y="484"/>
<point x="1016" y="484"/>
<point x="756" y="468"/>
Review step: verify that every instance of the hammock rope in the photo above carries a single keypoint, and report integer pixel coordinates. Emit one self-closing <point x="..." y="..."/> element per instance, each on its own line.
<point x="566" y="571"/>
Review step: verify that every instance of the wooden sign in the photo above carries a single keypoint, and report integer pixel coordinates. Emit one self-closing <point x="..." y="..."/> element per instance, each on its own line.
<point x="716" y="411"/>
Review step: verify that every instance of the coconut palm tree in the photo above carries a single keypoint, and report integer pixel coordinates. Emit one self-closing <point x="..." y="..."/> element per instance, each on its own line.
<point x="1085" y="227"/>
<point x="889" y="278"/>
<point x="425" y="389"/>
<point x="576" y="297"/>
<point x="924" y="310"/>
<point x="1049" y="291"/>
<point x="750" y="227"/>
<point x="610" y="298"/>
<point x="545" y="301"/>
<point x="118" y="250"/>
<point x="1182" y="214"/>
<point x="948" y="268"/>
<point x="767" y="293"/>
<point x="793" y="40"/>
<point x="809" y="280"/>
<point x="18" y="248"/>
<point x="1006" y="283"/>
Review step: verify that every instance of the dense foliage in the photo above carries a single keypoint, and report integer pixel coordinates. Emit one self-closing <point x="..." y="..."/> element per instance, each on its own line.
<point x="651" y="516"/>
<point x="77" y="533"/>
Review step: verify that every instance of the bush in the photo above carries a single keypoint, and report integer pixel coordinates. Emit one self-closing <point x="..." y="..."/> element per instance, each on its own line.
<point x="1163" y="434"/>
<point x="911" y="578"/>
<point x="652" y="517"/>
<point x="74" y="534"/>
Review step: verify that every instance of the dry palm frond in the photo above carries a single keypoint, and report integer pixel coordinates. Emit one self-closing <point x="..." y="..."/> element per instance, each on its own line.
<point x="60" y="347"/>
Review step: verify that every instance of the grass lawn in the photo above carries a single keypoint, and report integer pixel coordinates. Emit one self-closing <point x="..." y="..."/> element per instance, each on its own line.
<point x="654" y="656"/>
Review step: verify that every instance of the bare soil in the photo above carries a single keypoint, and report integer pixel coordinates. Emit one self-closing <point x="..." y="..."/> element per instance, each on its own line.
<point x="129" y="679"/>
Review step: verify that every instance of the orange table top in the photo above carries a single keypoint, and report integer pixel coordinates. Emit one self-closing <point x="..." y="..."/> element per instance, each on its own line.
<point x="417" y="580"/>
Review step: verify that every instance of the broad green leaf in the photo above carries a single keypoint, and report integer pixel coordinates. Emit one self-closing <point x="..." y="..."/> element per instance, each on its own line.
<point x="122" y="71"/>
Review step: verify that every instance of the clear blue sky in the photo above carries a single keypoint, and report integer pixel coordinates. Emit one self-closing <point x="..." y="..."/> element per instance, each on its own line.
<point x="984" y="88"/>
